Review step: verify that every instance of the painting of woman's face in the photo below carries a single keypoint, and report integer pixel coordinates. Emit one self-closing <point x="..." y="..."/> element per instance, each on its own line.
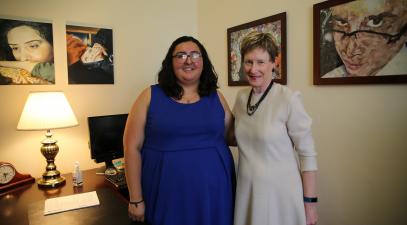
<point x="362" y="34"/>
<point x="27" y="44"/>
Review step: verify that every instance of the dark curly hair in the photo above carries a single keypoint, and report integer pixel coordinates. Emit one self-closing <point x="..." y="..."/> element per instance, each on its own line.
<point x="44" y="30"/>
<point x="168" y="81"/>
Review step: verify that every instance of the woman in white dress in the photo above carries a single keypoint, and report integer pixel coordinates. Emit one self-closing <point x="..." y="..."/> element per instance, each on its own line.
<point x="277" y="161"/>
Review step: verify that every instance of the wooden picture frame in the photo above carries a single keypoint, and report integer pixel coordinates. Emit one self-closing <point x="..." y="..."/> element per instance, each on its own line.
<point x="375" y="52"/>
<point x="276" y="25"/>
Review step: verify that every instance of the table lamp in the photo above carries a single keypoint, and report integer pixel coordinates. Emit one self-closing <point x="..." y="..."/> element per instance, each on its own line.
<point x="46" y="111"/>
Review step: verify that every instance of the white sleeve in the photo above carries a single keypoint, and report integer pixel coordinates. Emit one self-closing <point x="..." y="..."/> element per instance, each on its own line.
<point x="299" y="130"/>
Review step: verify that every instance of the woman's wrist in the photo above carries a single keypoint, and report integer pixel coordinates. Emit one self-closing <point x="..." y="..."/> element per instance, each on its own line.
<point x="136" y="203"/>
<point x="310" y="199"/>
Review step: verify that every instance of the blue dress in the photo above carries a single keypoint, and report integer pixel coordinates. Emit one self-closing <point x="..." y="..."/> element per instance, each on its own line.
<point x="188" y="173"/>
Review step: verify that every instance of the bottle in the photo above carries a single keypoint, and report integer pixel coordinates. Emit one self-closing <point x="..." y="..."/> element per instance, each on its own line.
<point x="77" y="175"/>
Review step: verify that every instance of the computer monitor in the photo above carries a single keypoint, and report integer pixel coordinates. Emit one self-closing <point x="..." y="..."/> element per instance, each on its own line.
<point x="106" y="139"/>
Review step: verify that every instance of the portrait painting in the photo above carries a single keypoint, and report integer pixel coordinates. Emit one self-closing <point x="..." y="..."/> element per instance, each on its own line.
<point x="360" y="42"/>
<point x="26" y="52"/>
<point x="89" y="55"/>
<point x="276" y="26"/>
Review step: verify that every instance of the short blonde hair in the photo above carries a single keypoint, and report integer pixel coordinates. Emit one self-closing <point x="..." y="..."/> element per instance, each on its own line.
<point x="257" y="39"/>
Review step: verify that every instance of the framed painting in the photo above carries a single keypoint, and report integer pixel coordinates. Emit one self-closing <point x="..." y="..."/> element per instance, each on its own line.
<point x="360" y="42"/>
<point x="276" y="26"/>
<point x="89" y="55"/>
<point x="26" y="52"/>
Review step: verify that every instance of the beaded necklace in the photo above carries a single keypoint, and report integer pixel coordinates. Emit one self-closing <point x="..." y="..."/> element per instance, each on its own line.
<point x="251" y="109"/>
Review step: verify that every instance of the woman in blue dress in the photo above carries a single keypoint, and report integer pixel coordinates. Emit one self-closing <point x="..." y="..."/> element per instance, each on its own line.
<point x="179" y="168"/>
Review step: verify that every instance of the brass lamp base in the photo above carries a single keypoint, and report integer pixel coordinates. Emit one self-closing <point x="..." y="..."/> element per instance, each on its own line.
<point x="51" y="181"/>
<point x="51" y="177"/>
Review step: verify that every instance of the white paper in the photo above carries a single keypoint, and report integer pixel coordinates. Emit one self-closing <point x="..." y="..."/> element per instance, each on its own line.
<point x="70" y="202"/>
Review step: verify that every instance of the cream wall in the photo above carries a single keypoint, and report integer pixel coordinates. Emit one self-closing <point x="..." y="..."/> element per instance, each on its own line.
<point x="142" y="34"/>
<point x="360" y="130"/>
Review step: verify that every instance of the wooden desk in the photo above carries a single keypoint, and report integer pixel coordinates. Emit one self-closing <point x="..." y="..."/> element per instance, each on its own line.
<point x="14" y="204"/>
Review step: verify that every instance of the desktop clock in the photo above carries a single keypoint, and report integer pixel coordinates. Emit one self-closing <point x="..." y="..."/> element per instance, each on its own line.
<point x="11" y="178"/>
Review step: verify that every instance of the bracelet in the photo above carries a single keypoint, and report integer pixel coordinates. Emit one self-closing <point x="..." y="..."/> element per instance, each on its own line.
<point x="310" y="200"/>
<point x="136" y="203"/>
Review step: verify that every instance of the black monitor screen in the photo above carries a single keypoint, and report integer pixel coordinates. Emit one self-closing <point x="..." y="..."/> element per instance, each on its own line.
<point x="106" y="137"/>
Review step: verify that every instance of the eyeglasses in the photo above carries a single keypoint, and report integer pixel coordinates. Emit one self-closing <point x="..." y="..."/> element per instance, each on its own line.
<point x="368" y="34"/>
<point x="181" y="57"/>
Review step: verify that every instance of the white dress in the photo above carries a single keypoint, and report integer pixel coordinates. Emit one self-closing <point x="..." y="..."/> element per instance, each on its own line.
<point x="269" y="188"/>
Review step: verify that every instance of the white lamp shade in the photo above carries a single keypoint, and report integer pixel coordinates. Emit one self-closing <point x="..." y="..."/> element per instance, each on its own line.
<point x="46" y="110"/>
